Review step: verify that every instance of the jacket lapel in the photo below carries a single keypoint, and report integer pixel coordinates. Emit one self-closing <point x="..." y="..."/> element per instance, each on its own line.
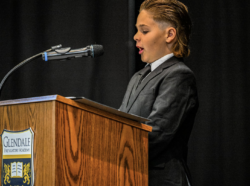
<point x="131" y="88"/>
<point x="153" y="74"/>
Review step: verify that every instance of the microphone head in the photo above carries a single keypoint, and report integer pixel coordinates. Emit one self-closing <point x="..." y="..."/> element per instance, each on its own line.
<point x="96" y="50"/>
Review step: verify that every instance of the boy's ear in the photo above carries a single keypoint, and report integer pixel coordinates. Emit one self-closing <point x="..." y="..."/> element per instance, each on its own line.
<point x="170" y="34"/>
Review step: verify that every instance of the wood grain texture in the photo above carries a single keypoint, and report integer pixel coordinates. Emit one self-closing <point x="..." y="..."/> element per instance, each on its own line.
<point x="94" y="150"/>
<point x="80" y="145"/>
<point x="41" y="118"/>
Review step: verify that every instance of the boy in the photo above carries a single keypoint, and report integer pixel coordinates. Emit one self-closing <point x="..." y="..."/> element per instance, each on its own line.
<point x="165" y="90"/>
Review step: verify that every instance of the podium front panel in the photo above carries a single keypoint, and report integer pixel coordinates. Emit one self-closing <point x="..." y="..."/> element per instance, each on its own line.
<point x="75" y="144"/>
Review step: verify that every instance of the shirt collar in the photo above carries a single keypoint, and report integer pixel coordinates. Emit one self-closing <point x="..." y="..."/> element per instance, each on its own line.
<point x="158" y="62"/>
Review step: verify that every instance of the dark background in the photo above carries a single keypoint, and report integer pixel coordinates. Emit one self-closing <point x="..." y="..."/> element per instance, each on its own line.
<point x="219" y="145"/>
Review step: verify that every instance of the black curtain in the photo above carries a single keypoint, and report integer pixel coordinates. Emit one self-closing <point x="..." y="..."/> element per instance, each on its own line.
<point x="219" y="145"/>
<point x="29" y="27"/>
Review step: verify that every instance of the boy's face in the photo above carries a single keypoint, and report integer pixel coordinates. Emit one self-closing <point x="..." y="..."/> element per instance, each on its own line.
<point x="150" y="38"/>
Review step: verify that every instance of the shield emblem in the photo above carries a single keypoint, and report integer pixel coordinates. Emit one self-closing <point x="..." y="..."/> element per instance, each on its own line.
<point x="17" y="158"/>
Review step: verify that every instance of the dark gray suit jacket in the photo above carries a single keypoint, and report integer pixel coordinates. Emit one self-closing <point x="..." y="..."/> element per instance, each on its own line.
<point x="168" y="97"/>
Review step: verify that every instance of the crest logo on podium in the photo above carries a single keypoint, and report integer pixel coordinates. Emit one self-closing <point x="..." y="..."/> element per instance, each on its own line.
<point x="17" y="158"/>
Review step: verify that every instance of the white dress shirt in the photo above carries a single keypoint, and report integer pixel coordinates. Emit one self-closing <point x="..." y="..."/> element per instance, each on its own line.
<point x="158" y="62"/>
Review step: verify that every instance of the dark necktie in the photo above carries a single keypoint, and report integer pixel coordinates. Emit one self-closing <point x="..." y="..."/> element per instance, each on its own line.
<point x="144" y="73"/>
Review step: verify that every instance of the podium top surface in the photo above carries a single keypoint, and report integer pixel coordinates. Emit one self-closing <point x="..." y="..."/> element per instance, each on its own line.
<point x="75" y="102"/>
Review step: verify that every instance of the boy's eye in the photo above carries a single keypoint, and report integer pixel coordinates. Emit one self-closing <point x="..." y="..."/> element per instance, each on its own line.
<point x="144" y="32"/>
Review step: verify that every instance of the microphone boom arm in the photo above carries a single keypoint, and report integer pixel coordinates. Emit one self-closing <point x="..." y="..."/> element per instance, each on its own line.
<point x="58" y="53"/>
<point x="22" y="64"/>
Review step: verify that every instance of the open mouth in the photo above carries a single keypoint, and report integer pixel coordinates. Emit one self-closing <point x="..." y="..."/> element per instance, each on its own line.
<point x="141" y="50"/>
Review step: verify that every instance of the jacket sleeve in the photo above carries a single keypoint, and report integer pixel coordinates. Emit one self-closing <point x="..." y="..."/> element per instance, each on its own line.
<point x="176" y="95"/>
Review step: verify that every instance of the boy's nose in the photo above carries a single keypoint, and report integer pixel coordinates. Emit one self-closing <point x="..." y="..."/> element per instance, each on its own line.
<point x="136" y="38"/>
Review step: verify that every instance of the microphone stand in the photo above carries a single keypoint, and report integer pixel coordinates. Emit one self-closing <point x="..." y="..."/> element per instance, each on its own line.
<point x="24" y="63"/>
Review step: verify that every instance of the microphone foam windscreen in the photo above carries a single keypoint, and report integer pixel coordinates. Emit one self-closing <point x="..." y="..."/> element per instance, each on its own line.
<point x="98" y="50"/>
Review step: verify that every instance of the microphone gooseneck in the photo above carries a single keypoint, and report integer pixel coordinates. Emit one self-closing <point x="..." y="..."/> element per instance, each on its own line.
<point x="58" y="53"/>
<point x="17" y="67"/>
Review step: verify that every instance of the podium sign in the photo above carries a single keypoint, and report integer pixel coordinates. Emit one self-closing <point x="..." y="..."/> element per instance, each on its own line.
<point x="17" y="158"/>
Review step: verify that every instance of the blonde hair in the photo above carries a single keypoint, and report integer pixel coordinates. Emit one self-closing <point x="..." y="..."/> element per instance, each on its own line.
<point x="175" y="13"/>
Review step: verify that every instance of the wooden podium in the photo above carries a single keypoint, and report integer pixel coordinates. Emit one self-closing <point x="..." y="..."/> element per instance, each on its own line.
<point x="77" y="143"/>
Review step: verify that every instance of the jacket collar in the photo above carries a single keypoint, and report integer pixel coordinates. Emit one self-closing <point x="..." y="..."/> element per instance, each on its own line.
<point x="173" y="60"/>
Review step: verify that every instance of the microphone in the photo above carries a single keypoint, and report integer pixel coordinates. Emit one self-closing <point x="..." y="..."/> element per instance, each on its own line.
<point x="67" y="53"/>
